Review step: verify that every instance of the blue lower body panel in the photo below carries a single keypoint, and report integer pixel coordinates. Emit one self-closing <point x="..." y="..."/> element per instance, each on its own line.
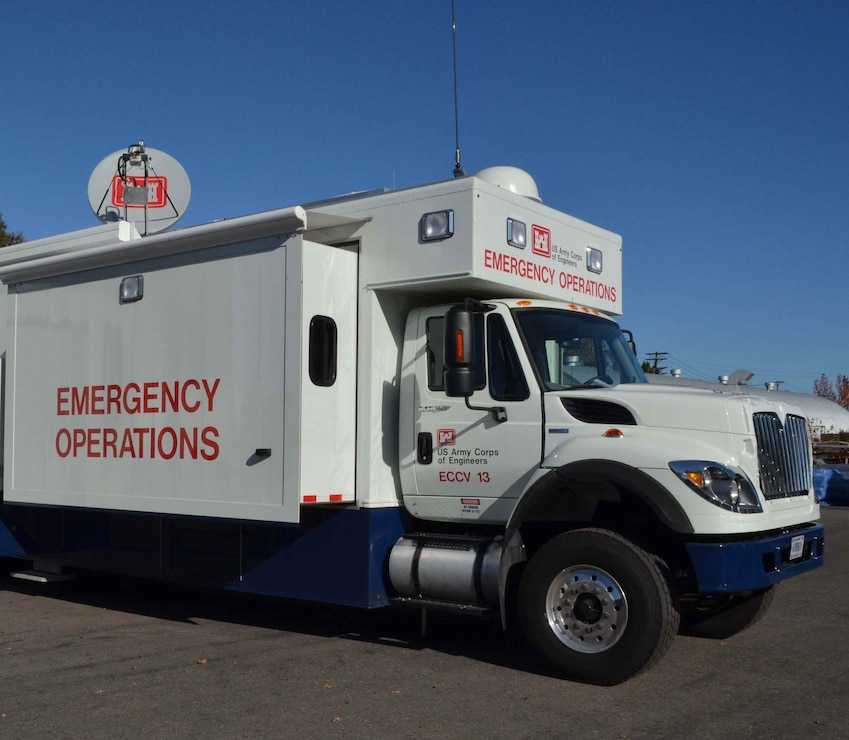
<point x="335" y="556"/>
<point x="725" y="567"/>
<point x="9" y="546"/>
<point x="342" y="561"/>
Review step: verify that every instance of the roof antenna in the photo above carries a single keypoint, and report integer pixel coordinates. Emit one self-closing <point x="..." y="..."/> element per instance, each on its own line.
<point x="458" y="171"/>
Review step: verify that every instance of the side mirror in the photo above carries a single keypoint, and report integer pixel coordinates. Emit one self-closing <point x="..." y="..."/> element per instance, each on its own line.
<point x="459" y="352"/>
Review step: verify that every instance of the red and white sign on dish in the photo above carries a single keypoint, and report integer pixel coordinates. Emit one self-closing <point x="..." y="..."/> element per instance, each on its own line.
<point x="157" y="191"/>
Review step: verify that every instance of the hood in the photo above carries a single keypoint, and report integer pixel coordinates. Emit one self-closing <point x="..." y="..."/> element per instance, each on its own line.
<point x="684" y="408"/>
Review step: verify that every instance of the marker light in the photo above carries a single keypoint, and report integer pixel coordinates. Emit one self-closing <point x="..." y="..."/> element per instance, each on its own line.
<point x="132" y="289"/>
<point x="517" y="233"/>
<point x="460" y="346"/>
<point x="437" y="225"/>
<point x="594" y="260"/>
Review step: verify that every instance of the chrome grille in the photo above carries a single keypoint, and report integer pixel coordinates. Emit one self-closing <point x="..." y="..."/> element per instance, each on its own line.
<point x="784" y="456"/>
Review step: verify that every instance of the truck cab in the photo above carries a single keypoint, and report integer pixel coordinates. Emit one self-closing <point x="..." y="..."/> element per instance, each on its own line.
<point x="525" y="356"/>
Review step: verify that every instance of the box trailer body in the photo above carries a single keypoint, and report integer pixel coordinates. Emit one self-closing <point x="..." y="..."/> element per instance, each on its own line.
<point x="269" y="405"/>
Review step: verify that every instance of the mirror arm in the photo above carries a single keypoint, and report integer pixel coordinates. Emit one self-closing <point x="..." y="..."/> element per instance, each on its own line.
<point x="498" y="413"/>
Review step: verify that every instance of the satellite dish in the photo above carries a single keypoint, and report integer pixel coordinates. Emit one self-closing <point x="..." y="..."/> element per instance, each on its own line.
<point x="144" y="186"/>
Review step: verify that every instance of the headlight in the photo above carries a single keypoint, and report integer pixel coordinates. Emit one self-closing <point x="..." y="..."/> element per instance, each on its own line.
<point x="719" y="485"/>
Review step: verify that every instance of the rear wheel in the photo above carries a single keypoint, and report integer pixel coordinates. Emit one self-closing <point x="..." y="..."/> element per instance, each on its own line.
<point x="596" y="607"/>
<point x="720" y="617"/>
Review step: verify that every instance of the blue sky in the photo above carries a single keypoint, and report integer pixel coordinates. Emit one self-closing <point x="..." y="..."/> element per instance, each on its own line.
<point x="713" y="136"/>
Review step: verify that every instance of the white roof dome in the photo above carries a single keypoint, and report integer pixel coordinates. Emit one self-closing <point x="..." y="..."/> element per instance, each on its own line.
<point x="512" y="179"/>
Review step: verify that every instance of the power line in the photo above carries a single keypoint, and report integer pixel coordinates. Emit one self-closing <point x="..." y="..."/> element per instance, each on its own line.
<point x="692" y="371"/>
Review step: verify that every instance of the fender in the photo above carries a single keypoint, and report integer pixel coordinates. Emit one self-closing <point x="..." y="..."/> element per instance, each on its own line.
<point x="543" y="494"/>
<point x="542" y="498"/>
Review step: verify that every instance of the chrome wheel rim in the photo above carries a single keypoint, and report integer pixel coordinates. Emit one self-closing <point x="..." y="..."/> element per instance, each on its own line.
<point x="586" y="609"/>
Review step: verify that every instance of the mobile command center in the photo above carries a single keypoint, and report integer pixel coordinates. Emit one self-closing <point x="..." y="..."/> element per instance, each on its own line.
<point x="416" y="397"/>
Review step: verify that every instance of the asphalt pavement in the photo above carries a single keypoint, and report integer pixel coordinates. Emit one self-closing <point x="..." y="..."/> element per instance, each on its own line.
<point x="115" y="658"/>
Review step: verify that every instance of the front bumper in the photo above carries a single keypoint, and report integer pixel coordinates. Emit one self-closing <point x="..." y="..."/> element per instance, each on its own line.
<point x="730" y="566"/>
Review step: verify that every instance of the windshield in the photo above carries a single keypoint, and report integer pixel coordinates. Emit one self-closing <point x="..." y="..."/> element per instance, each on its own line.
<point x="575" y="351"/>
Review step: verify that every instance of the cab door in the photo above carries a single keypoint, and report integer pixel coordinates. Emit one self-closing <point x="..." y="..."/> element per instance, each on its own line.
<point x="467" y="462"/>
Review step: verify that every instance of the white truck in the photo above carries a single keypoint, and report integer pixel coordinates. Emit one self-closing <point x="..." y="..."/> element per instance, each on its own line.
<point x="410" y="397"/>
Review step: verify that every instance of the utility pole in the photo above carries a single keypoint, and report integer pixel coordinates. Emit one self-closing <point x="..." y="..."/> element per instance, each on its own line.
<point x="655" y="358"/>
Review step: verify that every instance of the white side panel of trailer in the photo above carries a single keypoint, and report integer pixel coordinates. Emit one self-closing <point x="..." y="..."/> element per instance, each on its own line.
<point x="172" y="404"/>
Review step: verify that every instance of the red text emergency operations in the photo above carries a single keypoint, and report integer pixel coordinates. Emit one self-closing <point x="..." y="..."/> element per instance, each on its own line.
<point x="547" y="275"/>
<point x="155" y="397"/>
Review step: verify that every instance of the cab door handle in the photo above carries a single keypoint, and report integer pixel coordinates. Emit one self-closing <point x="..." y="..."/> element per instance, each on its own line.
<point x="424" y="448"/>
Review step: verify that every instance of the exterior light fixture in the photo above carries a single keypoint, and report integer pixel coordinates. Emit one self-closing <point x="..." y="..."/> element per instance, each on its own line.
<point x="517" y="233"/>
<point x="594" y="260"/>
<point x="132" y="289"/>
<point x="437" y="225"/>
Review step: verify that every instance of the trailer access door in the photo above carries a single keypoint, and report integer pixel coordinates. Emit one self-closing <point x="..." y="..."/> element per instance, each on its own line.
<point x="171" y="379"/>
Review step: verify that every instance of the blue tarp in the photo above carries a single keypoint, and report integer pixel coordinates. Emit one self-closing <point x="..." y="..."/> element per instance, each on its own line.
<point x="831" y="485"/>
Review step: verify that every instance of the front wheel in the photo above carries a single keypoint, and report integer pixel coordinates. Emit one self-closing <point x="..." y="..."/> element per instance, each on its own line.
<point x="596" y="607"/>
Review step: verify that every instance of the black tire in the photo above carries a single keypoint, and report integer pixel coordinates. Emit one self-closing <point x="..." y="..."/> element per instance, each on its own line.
<point x="721" y="617"/>
<point x="596" y="607"/>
